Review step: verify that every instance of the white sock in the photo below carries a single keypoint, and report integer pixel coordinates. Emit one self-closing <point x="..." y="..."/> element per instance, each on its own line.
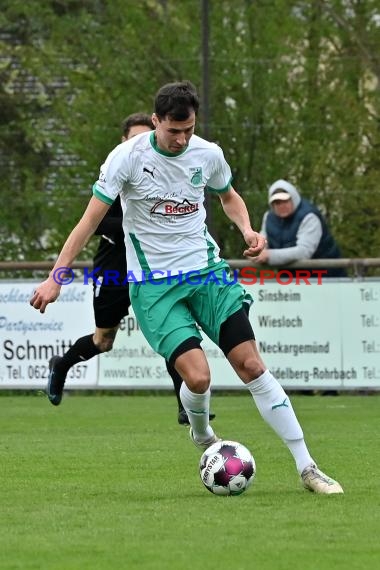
<point x="197" y="407"/>
<point x="276" y="409"/>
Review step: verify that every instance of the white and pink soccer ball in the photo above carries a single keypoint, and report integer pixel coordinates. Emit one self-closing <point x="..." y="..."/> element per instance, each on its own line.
<point x="227" y="468"/>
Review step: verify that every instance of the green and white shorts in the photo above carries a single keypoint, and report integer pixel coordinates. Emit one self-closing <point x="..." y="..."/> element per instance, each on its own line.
<point x="168" y="311"/>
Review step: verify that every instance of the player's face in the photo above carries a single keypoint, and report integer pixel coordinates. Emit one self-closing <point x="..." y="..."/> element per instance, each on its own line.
<point x="173" y="136"/>
<point x="283" y="208"/>
<point x="136" y="130"/>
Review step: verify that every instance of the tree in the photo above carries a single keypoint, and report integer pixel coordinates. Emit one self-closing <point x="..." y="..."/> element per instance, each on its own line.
<point x="294" y="94"/>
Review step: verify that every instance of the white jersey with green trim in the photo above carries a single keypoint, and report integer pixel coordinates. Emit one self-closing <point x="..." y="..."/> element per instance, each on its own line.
<point x="162" y="197"/>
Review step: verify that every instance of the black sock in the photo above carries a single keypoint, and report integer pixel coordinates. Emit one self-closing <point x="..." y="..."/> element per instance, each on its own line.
<point x="83" y="349"/>
<point x="177" y="382"/>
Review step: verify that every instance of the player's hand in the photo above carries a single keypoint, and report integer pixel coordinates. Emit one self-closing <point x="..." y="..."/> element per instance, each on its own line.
<point x="262" y="257"/>
<point x="47" y="292"/>
<point x="256" y="243"/>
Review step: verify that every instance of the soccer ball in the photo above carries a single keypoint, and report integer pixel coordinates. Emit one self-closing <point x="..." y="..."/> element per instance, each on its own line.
<point x="227" y="468"/>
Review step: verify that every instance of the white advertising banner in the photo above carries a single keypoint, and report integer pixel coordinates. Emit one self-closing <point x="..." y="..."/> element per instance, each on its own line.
<point x="133" y="364"/>
<point x="311" y="337"/>
<point x="28" y="339"/>
<point x="320" y="337"/>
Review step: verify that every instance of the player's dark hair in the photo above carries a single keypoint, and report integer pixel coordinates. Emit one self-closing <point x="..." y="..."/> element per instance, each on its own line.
<point x="176" y="101"/>
<point x="136" y="119"/>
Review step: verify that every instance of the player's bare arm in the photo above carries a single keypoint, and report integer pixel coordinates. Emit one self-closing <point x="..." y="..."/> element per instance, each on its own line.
<point x="236" y="210"/>
<point x="48" y="291"/>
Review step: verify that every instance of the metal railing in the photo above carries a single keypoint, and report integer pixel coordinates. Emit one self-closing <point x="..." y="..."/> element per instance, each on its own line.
<point x="359" y="265"/>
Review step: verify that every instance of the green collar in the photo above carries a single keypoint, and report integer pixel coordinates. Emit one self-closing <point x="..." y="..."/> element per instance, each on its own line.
<point x="153" y="142"/>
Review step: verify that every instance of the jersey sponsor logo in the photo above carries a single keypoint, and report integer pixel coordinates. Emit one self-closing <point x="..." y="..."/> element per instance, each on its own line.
<point x="148" y="171"/>
<point x="195" y="174"/>
<point x="282" y="405"/>
<point x="173" y="208"/>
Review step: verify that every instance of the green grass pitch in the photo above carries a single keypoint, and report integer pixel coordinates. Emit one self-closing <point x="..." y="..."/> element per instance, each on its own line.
<point x="111" y="483"/>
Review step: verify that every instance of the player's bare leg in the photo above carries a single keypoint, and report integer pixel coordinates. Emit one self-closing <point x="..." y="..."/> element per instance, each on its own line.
<point x="195" y="395"/>
<point x="177" y="383"/>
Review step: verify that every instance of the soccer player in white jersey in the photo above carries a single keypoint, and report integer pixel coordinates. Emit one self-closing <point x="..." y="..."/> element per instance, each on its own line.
<point x="111" y="301"/>
<point x="177" y="279"/>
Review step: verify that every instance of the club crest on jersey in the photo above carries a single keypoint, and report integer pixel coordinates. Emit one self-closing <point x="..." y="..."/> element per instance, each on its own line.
<point x="195" y="174"/>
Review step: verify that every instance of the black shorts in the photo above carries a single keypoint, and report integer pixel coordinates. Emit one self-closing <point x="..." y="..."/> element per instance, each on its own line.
<point x="111" y="305"/>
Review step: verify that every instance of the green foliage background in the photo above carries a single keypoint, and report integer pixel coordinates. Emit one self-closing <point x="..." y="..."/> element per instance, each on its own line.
<point x="294" y="93"/>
